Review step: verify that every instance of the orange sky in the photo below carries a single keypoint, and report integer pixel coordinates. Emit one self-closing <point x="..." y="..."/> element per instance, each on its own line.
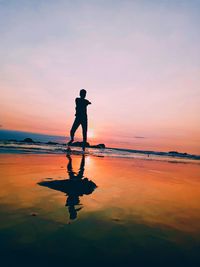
<point x="139" y="62"/>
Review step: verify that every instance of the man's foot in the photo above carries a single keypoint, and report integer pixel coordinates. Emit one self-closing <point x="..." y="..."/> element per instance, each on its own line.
<point x="68" y="149"/>
<point x="70" y="142"/>
<point x="68" y="152"/>
<point x="83" y="147"/>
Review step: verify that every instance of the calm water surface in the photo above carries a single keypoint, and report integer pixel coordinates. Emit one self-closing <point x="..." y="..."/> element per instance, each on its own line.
<point x="94" y="211"/>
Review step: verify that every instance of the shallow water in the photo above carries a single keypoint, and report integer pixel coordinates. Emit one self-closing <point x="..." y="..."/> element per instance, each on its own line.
<point x="141" y="213"/>
<point x="45" y="148"/>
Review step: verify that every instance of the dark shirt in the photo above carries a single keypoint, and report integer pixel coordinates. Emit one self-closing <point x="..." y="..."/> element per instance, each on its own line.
<point x="81" y="107"/>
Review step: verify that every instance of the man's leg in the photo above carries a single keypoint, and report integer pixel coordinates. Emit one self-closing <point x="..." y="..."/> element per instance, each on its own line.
<point x="73" y="129"/>
<point x="84" y="125"/>
<point x="69" y="168"/>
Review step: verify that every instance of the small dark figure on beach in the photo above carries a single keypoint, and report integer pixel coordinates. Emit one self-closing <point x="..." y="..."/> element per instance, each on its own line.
<point x="80" y="117"/>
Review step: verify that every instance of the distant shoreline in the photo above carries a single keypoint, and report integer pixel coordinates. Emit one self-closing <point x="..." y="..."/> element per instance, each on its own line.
<point x="23" y="147"/>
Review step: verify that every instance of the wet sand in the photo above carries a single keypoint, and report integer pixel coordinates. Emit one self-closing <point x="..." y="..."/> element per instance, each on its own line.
<point x="141" y="212"/>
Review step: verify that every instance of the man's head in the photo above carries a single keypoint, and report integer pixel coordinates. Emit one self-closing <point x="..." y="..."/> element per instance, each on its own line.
<point x="83" y="93"/>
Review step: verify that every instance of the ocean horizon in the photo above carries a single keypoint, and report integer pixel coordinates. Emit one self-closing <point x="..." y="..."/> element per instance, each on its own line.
<point x="6" y="134"/>
<point x="15" y="142"/>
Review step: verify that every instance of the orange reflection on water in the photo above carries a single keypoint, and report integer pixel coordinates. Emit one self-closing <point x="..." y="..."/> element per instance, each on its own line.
<point x="150" y="191"/>
<point x="155" y="193"/>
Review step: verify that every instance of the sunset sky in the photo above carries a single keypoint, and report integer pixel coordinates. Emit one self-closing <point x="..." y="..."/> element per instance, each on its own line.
<point x="138" y="60"/>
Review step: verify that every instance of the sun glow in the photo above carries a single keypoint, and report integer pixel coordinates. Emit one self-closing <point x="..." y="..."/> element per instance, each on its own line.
<point x="91" y="133"/>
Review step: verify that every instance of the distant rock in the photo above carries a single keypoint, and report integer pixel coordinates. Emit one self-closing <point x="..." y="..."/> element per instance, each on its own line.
<point x="52" y="143"/>
<point x="80" y="144"/>
<point x="28" y="140"/>
<point x="98" y="146"/>
<point x="101" y="145"/>
<point x="177" y="153"/>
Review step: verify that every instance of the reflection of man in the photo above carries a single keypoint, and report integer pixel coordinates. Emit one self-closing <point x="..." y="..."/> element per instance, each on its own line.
<point x="70" y="169"/>
<point x="74" y="187"/>
<point x="73" y="199"/>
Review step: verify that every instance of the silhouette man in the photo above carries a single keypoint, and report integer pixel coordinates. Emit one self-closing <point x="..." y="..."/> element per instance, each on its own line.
<point x="80" y="117"/>
<point x="74" y="187"/>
